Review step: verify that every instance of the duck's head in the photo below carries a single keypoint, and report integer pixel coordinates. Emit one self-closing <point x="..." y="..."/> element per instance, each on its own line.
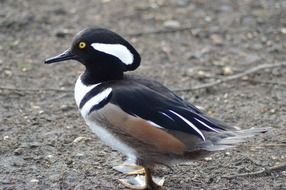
<point x="99" y="48"/>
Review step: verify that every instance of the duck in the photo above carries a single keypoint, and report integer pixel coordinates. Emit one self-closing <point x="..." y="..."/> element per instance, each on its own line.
<point x="137" y="116"/>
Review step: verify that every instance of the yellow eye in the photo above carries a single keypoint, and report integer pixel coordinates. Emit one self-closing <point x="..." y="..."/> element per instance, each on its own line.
<point x="81" y="45"/>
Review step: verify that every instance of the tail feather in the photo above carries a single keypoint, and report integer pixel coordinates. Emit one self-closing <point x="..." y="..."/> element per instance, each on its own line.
<point x="228" y="139"/>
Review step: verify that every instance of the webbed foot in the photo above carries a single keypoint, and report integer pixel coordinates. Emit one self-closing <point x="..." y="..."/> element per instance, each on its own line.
<point x="139" y="182"/>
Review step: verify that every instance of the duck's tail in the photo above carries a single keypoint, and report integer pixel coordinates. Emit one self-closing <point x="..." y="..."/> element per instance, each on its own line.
<point x="227" y="139"/>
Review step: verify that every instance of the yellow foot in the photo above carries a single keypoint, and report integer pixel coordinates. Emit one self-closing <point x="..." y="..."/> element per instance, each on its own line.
<point x="129" y="169"/>
<point x="138" y="182"/>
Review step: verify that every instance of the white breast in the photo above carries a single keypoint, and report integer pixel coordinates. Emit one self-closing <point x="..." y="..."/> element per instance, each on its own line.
<point x="81" y="89"/>
<point x="95" y="101"/>
<point x="110" y="139"/>
<point x="107" y="137"/>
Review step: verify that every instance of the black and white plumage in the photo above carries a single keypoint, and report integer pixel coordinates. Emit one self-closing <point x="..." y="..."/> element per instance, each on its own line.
<point x="139" y="117"/>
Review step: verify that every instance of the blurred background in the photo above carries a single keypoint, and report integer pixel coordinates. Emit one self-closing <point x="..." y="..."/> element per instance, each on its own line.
<point x="44" y="143"/>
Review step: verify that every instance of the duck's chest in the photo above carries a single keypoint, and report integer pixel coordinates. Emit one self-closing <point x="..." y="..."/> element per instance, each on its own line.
<point x="80" y="90"/>
<point x="91" y="98"/>
<point x="85" y="101"/>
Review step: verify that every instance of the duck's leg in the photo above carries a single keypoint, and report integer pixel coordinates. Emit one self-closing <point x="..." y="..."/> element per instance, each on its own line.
<point x="143" y="182"/>
<point x="129" y="167"/>
<point x="150" y="184"/>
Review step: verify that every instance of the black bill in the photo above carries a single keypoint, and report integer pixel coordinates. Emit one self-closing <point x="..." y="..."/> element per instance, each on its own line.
<point x="67" y="55"/>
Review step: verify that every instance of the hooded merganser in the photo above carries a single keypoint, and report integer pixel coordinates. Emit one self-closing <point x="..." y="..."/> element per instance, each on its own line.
<point x="139" y="117"/>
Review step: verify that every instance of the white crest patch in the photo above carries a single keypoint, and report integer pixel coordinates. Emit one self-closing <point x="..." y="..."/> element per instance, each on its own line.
<point x="117" y="50"/>
<point x="95" y="101"/>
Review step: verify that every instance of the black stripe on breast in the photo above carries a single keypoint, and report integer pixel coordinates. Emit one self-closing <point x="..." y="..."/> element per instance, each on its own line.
<point x="93" y="92"/>
<point x="101" y="104"/>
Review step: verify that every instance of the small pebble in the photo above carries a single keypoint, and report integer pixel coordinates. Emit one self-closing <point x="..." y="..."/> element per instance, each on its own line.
<point x="8" y="73"/>
<point x="202" y="74"/>
<point x="65" y="107"/>
<point x="208" y="19"/>
<point x="49" y="156"/>
<point x="133" y="40"/>
<point x="80" y="155"/>
<point x="6" y="137"/>
<point x="269" y="43"/>
<point x="34" y="144"/>
<point x="245" y="78"/>
<point x="41" y="112"/>
<point x="69" y="161"/>
<point x="63" y="33"/>
<point x="171" y="24"/>
<point x="263" y="39"/>
<point x="216" y="39"/>
<point x="190" y="72"/>
<point x="227" y="71"/>
<point x="249" y="35"/>
<point x="263" y="109"/>
<point x="60" y="11"/>
<point x="208" y="158"/>
<point x="283" y="30"/>
<point x="34" y="181"/>
<point x="225" y="95"/>
<point x="18" y="151"/>
<point x="35" y="107"/>
<point x="79" y="139"/>
<point x="218" y="63"/>
<point x="15" y="43"/>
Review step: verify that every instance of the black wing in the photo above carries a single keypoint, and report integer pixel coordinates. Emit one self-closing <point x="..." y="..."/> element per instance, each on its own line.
<point x="165" y="111"/>
<point x="163" y="90"/>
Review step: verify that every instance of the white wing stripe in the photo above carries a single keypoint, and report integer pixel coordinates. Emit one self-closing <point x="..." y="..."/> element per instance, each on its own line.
<point x="166" y="115"/>
<point x="155" y="125"/>
<point x="203" y="123"/>
<point x="190" y="124"/>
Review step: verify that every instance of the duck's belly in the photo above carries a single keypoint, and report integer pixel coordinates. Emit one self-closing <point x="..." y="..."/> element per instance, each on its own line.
<point x="110" y="139"/>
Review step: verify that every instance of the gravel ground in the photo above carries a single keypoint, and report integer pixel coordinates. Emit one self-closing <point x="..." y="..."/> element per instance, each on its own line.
<point x="44" y="143"/>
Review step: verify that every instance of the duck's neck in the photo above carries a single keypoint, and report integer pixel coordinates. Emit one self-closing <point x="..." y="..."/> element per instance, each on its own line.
<point x="95" y="75"/>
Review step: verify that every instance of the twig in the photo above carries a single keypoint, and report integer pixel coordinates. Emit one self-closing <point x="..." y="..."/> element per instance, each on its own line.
<point x="38" y="90"/>
<point x="264" y="145"/>
<point x="160" y="31"/>
<point x="264" y="171"/>
<point x="207" y="85"/>
<point x="267" y="82"/>
<point x="233" y="77"/>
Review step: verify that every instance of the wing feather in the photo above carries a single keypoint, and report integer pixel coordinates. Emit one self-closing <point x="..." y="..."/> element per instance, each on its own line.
<point x="167" y="111"/>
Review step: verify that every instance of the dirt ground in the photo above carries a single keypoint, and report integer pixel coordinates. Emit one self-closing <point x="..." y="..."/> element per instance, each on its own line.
<point x="44" y="143"/>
